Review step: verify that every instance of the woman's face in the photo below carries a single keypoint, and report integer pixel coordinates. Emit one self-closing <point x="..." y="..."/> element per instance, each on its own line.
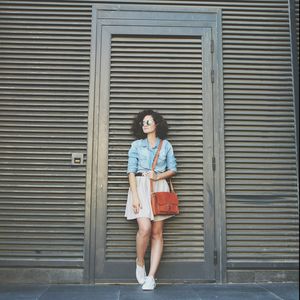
<point x="148" y="124"/>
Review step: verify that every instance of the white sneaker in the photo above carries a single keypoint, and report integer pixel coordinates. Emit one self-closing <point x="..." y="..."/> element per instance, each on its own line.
<point x="140" y="273"/>
<point x="149" y="284"/>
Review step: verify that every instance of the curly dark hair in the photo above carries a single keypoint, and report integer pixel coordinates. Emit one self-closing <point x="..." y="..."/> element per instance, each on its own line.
<point x="161" y="124"/>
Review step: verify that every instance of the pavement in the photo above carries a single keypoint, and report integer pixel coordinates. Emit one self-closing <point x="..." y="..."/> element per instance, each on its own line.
<point x="265" y="291"/>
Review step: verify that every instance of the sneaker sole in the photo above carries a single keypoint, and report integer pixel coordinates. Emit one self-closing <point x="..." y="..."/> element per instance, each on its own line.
<point x="148" y="289"/>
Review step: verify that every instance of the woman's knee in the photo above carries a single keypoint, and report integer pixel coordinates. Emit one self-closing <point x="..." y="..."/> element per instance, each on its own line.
<point x="157" y="234"/>
<point x="144" y="229"/>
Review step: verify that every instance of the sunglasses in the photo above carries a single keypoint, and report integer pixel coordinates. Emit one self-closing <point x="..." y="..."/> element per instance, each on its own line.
<point x="148" y="122"/>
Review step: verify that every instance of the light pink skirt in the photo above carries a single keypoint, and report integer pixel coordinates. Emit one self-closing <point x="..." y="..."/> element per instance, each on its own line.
<point x="143" y="189"/>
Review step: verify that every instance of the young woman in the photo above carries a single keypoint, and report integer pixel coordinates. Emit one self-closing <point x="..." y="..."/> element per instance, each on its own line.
<point x="149" y="127"/>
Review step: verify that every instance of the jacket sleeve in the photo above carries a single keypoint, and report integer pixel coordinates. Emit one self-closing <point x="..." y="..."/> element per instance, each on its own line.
<point x="132" y="159"/>
<point x="171" y="160"/>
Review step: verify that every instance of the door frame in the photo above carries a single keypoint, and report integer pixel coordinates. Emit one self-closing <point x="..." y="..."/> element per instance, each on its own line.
<point x="93" y="189"/>
<point x="107" y="270"/>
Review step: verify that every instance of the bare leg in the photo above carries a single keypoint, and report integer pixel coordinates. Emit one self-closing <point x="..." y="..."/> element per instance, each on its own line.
<point x="156" y="246"/>
<point x="142" y="239"/>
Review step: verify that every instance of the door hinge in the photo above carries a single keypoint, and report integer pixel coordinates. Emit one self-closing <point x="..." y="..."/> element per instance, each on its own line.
<point x="212" y="76"/>
<point x="212" y="46"/>
<point x="214" y="163"/>
<point x="215" y="257"/>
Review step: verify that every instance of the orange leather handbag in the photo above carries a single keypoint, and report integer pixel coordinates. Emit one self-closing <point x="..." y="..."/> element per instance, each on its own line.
<point x="163" y="203"/>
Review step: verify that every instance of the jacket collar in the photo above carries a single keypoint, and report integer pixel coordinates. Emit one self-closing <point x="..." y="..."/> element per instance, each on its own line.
<point x="146" y="144"/>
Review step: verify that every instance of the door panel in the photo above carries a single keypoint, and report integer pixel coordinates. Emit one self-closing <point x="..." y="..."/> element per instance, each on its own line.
<point x="167" y="69"/>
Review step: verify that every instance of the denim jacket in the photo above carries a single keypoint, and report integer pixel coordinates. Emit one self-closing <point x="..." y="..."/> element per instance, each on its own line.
<point x="141" y="156"/>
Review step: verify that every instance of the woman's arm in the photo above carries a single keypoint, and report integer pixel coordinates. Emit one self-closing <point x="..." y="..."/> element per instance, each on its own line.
<point x="136" y="204"/>
<point x="164" y="175"/>
<point x="152" y="175"/>
<point x="132" y="183"/>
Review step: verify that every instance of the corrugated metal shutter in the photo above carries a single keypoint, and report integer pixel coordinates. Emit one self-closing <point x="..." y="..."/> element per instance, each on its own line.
<point x="261" y="177"/>
<point x="259" y="125"/>
<point x="43" y="119"/>
<point x="297" y="25"/>
<point x="165" y="74"/>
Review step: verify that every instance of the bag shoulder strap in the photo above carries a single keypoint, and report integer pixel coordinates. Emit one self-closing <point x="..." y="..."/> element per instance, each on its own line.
<point x="156" y="155"/>
<point x="153" y="167"/>
<point x="154" y="164"/>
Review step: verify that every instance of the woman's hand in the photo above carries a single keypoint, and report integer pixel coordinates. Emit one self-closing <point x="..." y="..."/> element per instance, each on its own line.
<point x="136" y="204"/>
<point x="152" y="175"/>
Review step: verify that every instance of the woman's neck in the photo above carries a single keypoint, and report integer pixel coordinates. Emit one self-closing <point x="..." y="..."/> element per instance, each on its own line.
<point x="151" y="137"/>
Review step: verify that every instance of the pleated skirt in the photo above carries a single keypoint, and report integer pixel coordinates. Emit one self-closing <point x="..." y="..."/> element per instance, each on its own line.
<point x="143" y="189"/>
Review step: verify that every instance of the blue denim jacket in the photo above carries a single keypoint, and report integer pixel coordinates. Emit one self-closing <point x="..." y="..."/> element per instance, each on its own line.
<point x="141" y="156"/>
